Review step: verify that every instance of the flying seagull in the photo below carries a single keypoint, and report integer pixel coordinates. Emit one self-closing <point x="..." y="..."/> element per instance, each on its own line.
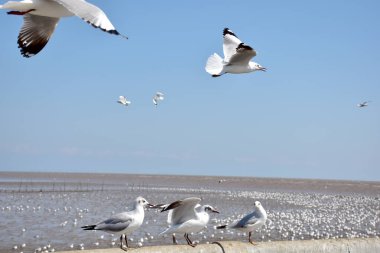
<point x="123" y="223"/>
<point x="364" y="104"/>
<point x="184" y="218"/>
<point x="122" y="100"/>
<point x="158" y="97"/>
<point x="42" y="16"/>
<point x="237" y="57"/>
<point x="250" y="222"/>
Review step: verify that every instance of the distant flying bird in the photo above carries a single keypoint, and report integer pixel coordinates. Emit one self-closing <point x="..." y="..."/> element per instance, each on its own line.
<point x="158" y="97"/>
<point x="364" y="104"/>
<point x="123" y="223"/>
<point x="122" y="100"/>
<point x="237" y="56"/>
<point x="250" y="222"/>
<point x="42" y="16"/>
<point x="184" y="218"/>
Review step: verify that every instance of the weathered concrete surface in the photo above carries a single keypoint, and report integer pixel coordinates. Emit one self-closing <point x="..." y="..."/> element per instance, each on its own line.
<point x="315" y="246"/>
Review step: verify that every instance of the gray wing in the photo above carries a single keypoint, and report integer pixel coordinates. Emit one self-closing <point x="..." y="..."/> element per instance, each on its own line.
<point x="249" y="219"/>
<point x="89" y="13"/>
<point x="35" y="33"/>
<point x="116" y="223"/>
<point x="243" y="55"/>
<point x="183" y="210"/>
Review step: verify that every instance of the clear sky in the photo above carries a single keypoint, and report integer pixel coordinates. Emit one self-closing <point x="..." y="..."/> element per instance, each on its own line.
<point x="58" y="109"/>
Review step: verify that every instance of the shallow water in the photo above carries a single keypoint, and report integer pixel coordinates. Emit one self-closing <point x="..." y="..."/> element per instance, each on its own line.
<point x="44" y="212"/>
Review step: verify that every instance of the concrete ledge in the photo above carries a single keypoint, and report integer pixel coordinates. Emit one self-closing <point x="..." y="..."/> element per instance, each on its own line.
<point x="368" y="245"/>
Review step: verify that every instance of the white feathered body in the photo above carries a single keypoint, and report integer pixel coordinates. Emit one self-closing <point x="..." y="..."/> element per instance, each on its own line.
<point x="258" y="219"/>
<point x="190" y="226"/>
<point x="135" y="219"/>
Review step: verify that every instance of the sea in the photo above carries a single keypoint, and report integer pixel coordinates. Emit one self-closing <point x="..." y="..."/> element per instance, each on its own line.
<point x="44" y="212"/>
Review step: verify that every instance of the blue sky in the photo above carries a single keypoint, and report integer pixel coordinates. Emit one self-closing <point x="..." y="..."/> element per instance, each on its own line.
<point x="299" y="119"/>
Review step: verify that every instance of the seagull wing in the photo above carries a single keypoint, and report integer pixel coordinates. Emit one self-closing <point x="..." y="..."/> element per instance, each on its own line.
<point x="182" y="210"/>
<point x="122" y="100"/>
<point x="160" y="95"/>
<point x="230" y="43"/>
<point x="243" y="55"/>
<point x="35" y="33"/>
<point x="89" y="13"/>
<point x="248" y="220"/>
<point x="116" y="223"/>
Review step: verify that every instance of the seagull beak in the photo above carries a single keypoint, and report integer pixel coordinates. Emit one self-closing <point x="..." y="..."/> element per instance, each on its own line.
<point x="263" y="69"/>
<point x="150" y="206"/>
<point x="214" y="211"/>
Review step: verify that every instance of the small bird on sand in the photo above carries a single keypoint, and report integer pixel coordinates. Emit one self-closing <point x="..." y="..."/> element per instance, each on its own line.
<point x="184" y="218"/>
<point x="250" y="222"/>
<point x="123" y="223"/>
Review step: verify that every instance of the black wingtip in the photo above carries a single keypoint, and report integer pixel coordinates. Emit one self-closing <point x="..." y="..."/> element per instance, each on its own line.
<point x="89" y="227"/>
<point x="228" y="31"/>
<point x="172" y="206"/>
<point x="115" y="32"/>
<point x="243" y="46"/>
<point x="215" y="75"/>
<point x="221" y="227"/>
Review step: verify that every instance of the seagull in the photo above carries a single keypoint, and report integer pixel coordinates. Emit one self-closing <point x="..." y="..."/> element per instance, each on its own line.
<point x="184" y="218"/>
<point x="42" y="16"/>
<point x="364" y="104"/>
<point x="250" y="222"/>
<point x="158" y="97"/>
<point x="122" y="100"/>
<point x="237" y="56"/>
<point x="123" y="223"/>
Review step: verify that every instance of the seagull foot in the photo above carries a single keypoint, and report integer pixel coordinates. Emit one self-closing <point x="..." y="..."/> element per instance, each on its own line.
<point x="124" y="248"/>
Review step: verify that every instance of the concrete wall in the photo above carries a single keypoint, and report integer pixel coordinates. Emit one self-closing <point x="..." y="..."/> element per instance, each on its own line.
<point x="316" y="246"/>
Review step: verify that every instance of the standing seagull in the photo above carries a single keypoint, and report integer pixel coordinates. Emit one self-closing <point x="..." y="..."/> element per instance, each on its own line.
<point x="184" y="218"/>
<point x="364" y="104"/>
<point x="123" y="100"/>
<point x="158" y="97"/>
<point x="237" y="56"/>
<point x="123" y="223"/>
<point x="251" y="221"/>
<point x="42" y="16"/>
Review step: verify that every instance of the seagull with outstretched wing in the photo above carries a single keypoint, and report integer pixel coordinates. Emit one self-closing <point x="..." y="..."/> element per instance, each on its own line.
<point x="42" y="16"/>
<point x="237" y="57"/>
<point x="123" y="100"/>
<point x="183" y="217"/>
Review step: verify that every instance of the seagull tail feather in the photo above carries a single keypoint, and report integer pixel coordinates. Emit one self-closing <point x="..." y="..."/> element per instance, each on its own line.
<point x="214" y="65"/>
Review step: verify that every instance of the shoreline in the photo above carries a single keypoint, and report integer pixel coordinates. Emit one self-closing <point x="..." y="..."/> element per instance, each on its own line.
<point x="357" y="245"/>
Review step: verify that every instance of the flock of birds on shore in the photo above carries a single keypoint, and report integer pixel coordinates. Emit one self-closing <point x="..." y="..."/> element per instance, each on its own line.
<point x="185" y="216"/>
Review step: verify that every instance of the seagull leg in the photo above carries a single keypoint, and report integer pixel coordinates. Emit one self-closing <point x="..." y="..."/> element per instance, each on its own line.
<point x="250" y="240"/>
<point x="121" y="241"/>
<point x="126" y="241"/>
<point x="189" y="242"/>
<point x="19" y="12"/>
<point x="174" y="239"/>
